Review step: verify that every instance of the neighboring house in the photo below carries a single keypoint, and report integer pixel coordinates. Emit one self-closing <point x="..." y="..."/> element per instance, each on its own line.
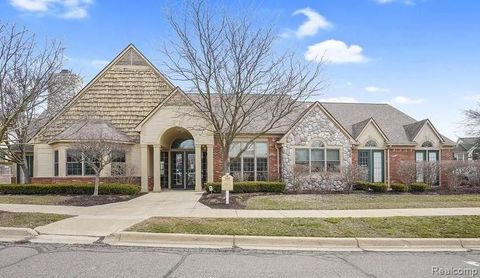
<point x="172" y="147"/>
<point x="467" y="148"/>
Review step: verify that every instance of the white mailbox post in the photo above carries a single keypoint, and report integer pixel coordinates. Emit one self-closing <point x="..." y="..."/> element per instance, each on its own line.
<point x="227" y="185"/>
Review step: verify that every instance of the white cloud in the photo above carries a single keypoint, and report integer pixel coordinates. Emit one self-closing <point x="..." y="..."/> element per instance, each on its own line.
<point x="338" y="99"/>
<point x="69" y="9"/>
<point x="407" y="100"/>
<point x="335" y="51"/>
<point x="374" y="89"/>
<point x="314" y="23"/>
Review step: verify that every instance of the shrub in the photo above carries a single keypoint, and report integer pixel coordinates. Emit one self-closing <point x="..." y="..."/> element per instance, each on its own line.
<point x="69" y="189"/>
<point x="418" y="187"/>
<point x="399" y="187"/>
<point x="378" y="187"/>
<point x="362" y="185"/>
<point x="249" y="186"/>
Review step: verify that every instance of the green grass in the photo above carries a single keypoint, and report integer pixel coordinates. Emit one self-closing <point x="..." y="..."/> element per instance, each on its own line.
<point x="33" y="199"/>
<point x="27" y="219"/>
<point x="403" y="227"/>
<point x="361" y="201"/>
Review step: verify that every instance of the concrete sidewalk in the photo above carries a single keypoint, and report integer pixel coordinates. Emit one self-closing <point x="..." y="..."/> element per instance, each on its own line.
<point x="106" y="219"/>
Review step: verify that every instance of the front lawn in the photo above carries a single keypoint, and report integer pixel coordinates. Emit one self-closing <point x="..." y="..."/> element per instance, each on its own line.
<point x="400" y="227"/>
<point x="78" y="200"/>
<point x="360" y="201"/>
<point x="27" y="219"/>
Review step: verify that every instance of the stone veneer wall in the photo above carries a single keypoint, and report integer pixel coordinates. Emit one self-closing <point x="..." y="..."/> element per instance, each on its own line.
<point x="315" y="126"/>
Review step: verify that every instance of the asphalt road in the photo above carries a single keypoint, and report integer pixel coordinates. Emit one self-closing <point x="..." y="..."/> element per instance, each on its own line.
<point x="48" y="260"/>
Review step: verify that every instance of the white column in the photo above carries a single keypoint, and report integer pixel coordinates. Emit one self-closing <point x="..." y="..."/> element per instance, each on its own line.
<point x="198" y="168"/>
<point x="144" y="166"/>
<point x="210" y="163"/>
<point x="62" y="161"/>
<point x="156" y="168"/>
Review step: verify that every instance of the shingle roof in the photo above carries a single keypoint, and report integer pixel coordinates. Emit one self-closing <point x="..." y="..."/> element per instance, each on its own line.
<point x="466" y="143"/>
<point x="412" y="129"/>
<point x="122" y="94"/>
<point x="358" y="127"/>
<point x="92" y="130"/>
<point x="389" y="119"/>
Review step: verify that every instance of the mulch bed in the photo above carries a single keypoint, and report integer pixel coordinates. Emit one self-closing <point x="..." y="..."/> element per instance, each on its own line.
<point x="89" y="200"/>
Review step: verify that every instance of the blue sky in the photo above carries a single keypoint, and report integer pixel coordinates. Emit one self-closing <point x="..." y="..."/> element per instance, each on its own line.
<point x="422" y="56"/>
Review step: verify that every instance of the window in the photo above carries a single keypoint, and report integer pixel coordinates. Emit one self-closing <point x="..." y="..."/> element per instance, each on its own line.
<point x="427" y="144"/>
<point x="119" y="164"/>
<point x="476" y="154"/>
<point x="55" y="164"/>
<point x="78" y="167"/>
<point x="333" y="160"/>
<point x="318" y="158"/>
<point x="183" y="144"/>
<point x="252" y="165"/>
<point x="424" y="169"/>
<point x="74" y="167"/>
<point x="164" y="169"/>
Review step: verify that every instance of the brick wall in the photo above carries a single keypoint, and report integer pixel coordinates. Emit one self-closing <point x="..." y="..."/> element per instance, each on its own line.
<point x="91" y="180"/>
<point x="446" y="155"/>
<point x="354" y="156"/>
<point x="273" y="160"/>
<point x="397" y="156"/>
<point x="217" y="160"/>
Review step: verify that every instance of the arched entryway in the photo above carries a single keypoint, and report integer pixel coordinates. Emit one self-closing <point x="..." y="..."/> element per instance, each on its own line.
<point x="178" y="160"/>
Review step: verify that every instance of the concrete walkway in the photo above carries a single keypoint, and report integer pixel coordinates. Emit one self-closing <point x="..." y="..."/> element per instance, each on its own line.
<point x="106" y="219"/>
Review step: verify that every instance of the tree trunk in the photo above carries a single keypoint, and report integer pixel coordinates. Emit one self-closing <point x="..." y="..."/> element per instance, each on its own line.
<point x="25" y="170"/>
<point x="97" y="184"/>
<point x="226" y="162"/>
<point x="26" y="175"/>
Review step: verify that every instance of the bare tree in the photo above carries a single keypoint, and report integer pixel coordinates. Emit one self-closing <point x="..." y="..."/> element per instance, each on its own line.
<point x="96" y="154"/>
<point x="407" y="172"/>
<point x="472" y="120"/>
<point x="96" y="144"/>
<point x="239" y="79"/>
<point x="27" y="71"/>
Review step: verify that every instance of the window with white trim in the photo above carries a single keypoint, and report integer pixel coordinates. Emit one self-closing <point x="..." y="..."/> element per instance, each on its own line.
<point x="76" y="167"/>
<point x="252" y="164"/>
<point x="318" y="158"/>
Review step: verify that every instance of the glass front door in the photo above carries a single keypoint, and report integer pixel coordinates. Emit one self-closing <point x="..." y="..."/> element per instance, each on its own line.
<point x="183" y="170"/>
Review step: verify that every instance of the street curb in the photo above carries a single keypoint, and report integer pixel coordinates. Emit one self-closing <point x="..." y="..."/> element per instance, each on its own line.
<point x="296" y="243"/>
<point x="10" y="234"/>
<point x="170" y="240"/>
<point x="411" y="244"/>
<point x="292" y="243"/>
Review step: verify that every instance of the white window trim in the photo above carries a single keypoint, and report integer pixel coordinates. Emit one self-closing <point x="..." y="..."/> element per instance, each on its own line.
<point x="325" y="147"/>
<point x="265" y="141"/>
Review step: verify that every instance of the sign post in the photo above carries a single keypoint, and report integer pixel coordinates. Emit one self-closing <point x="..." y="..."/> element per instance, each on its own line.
<point x="227" y="185"/>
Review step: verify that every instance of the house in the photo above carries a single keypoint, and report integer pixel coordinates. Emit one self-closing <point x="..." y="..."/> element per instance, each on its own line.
<point x="467" y="148"/>
<point x="171" y="147"/>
